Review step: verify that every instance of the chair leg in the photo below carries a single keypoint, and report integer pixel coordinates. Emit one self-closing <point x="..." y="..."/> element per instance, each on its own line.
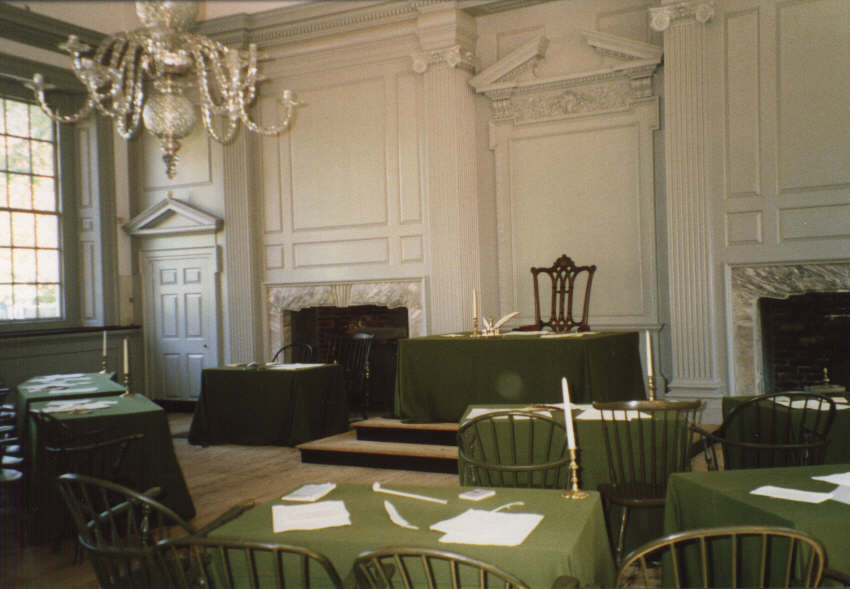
<point x="621" y="536"/>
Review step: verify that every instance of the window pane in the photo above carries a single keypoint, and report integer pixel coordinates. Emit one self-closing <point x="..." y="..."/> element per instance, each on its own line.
<point x="42" y="157"/>
<point x="48" y="300"/>
<point x="47" y="231"/>
<point x="5" y="302"/>
<point x="23" y="229"/>
<point x="48" y="265"/>
<point x="5" y="265"/>
<point x="3" y="153"/>
<point x="19" y="154"/>
<point x="25" y="302"/>
<point x="5" y="228"/>
<point x="20" y="191"/>
<point x="44" y="194"/>
<point x="40" y="123"/>
<point x="23" y="265"/>
<point x="17" y="118"/>
<point x="2" y="115"/>
<point x="4" y="187"/>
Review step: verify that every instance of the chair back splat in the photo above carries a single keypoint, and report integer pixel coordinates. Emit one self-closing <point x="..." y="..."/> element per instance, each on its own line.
<point x="514" y="448"/>
<point x="738" y="556"/>
<point x="294" y="353"/>
<point x="779" y="429"/>
<point x="645" y="441"/>
<point x="202" y="562"/>
<point x="570" y="289"/>
<point x="427" y="568"/>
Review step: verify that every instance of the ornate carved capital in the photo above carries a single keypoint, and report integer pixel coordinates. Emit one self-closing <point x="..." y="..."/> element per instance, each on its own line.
<point x="662" y="17"/>
<point x="455" y="57"/>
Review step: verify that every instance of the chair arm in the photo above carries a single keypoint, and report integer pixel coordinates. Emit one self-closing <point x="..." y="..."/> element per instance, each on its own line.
<point x="225" y="517"/>
<point x="833" y="575"/>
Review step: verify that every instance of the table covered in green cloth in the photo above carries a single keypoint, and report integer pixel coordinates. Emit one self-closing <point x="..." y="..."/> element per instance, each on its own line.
<point x="838" y="450"/>
<point x="437" y="377"/>
<point x="722" y="498"/>
<point x="55" y="387"/>
<point x="570" y="540"/>
<point x="644" y="524"/>
<point x="269" y="405"/>
<point x="151" y="462"/>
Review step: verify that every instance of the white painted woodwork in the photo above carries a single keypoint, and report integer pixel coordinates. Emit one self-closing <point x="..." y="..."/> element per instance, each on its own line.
<point x="181" y="323"/>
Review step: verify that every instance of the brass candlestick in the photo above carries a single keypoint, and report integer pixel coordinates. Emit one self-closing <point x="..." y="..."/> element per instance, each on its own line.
<point x="574" y="492"/>
<point x="103" y="369"/>
<point x="126" y="392"/>
<point x="475" y="326"/>
<point x="650" y="381"/>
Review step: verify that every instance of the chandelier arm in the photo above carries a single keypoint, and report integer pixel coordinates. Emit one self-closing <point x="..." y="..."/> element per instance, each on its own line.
<point x="202" y="67"/>
<point x="289" y="105"/>
<point x="230" y="133"/>
<point x="38" y="91"/>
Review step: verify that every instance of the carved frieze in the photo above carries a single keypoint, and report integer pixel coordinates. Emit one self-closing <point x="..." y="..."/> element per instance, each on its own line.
<point x="571" y="101"/>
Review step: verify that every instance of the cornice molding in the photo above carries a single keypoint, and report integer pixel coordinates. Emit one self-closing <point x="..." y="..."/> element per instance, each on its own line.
<point x="662" y="17"/>
<point x="608" y="44"/>
<point x="196" y="220"/>
<point x="44" y="32"/>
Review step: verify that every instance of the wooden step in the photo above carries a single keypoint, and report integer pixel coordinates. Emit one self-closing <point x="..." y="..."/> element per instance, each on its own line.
<point x="383" y="429"/>
<point x="347" y="449"/>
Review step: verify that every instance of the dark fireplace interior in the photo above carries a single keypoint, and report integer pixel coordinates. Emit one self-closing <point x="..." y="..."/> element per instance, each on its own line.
<point x="317" y="326"/>
<point x="804" y="335"/>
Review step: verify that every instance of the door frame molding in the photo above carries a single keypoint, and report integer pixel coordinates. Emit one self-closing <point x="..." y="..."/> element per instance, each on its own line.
<point x="211" y="255"/>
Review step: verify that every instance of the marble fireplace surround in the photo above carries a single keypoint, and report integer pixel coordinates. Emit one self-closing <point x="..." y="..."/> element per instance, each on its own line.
<point x="382" y="293"/>
<point x="749" y="284"/>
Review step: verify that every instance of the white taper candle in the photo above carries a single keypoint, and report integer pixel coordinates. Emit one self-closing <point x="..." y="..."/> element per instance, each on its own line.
<point x="568" y="415"/>
<point x="126" y="358"/>
<point x="104" y="343"/>
<point x="650" y="371"/>
<point x="474" y="303"/>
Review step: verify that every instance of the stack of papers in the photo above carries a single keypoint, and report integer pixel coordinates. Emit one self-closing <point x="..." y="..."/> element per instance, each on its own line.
<point x="311" y="516"/>
<point x="487" y="528"/>
<point x="310" y="492"/>
<point x="76" y="405"/>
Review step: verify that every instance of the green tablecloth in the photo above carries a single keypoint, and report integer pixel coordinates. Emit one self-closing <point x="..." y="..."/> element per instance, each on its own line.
<point x="709" y="499"/>
<point x="570" y="540"/>
<point x="439" y="376"/>
<point x="151" y="462"/>
<point x="838" y="450"/>
<point x="645" y="524"/>
<point x="266" y="406"/>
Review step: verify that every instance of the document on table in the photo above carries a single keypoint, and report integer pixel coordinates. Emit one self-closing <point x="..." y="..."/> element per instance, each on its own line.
<point x="592" y="414"/>
<point x="841" y="478"/>
<point x="478" y="411"/>
<point x="803" y="403"/>
<point x="487" y="528"/>
<point x="76" y="405"/>
<point x="294" y="366"/>
<point x="310" y="516"/>
<point x="310" y="492"/>
<point x="791" y="494"/>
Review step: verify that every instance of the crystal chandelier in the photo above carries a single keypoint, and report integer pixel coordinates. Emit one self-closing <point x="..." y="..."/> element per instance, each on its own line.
<point x="141" y="75"/>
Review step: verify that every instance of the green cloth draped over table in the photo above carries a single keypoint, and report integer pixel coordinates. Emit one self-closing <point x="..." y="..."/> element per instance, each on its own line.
<point x="437" y="377"/>
<point x="151" y="461"/>
<point x="570" y="540"/>
<point x="710" y="499"/>
<point x="269" y="406"/>
<point x="645" y="525"/>
<point x="838" y="450"/>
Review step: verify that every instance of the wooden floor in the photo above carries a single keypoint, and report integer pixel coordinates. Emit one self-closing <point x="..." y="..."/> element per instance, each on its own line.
<point x="218" y="477"/>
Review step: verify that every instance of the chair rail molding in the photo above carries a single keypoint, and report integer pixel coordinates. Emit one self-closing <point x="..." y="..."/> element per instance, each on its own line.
<point x="171" y="216"/>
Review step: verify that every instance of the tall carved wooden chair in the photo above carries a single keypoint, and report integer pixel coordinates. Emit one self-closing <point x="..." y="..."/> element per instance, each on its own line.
<point x="737" y="556"/>
<point x="645" y="441"/>
<point x="779" y="429"/>
<point x="569" y="291"/>
<point x="513" y="449"/>
<point x="352" y="353"/>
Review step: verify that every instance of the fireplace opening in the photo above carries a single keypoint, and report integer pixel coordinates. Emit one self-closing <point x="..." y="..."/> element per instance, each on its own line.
<point x="806" y="341"/>
<point x="318" y="326"/>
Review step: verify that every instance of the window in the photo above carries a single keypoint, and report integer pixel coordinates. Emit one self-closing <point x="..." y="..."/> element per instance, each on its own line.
<point x="30" y="215"/>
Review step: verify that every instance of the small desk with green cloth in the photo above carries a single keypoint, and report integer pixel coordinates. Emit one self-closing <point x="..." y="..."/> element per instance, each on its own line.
<point x="151" y="463"/>
<point x="438" y="376"/>
<point x="593" y="470"/>
<point x="838" y="450"/>
<point x="722" y="498"/>
<point x="270" y="406"/>
<point x="570" y="540"/>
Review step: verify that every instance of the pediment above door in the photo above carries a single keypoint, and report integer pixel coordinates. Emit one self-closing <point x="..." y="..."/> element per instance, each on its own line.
<point x="172" y="217"/>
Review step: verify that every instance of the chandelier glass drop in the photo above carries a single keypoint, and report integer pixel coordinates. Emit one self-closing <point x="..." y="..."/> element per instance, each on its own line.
<point x="140" y="76"/>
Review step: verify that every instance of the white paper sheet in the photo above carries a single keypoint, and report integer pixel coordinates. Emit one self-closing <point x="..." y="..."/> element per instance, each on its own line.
<point x="478" y="411"/>
<point x="802" y="403"/>
<point x="310" y="516"/>
<point x="76" y="405"/>
<point x="592" y="414"/>
<point x="310" y="492"/>
<point x="294" y="366"/>
<point x="487" y="528"/>
<point x="840" y="478"/>
<point x="527" y="333"/>
<point x="570" y="334"/>
<point x="77" y="390"/>
<point x="396" y="517"/>
<point x="791" y="494"/>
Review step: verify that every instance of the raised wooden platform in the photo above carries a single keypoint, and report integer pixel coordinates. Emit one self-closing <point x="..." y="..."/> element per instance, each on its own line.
<point x="388" y="443"/>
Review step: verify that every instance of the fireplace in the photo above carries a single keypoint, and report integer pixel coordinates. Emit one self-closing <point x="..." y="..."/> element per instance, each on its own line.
<point x="749" y="284"/>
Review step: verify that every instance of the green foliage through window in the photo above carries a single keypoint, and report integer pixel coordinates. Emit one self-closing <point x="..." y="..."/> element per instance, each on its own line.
<point x="30" y="246"/>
